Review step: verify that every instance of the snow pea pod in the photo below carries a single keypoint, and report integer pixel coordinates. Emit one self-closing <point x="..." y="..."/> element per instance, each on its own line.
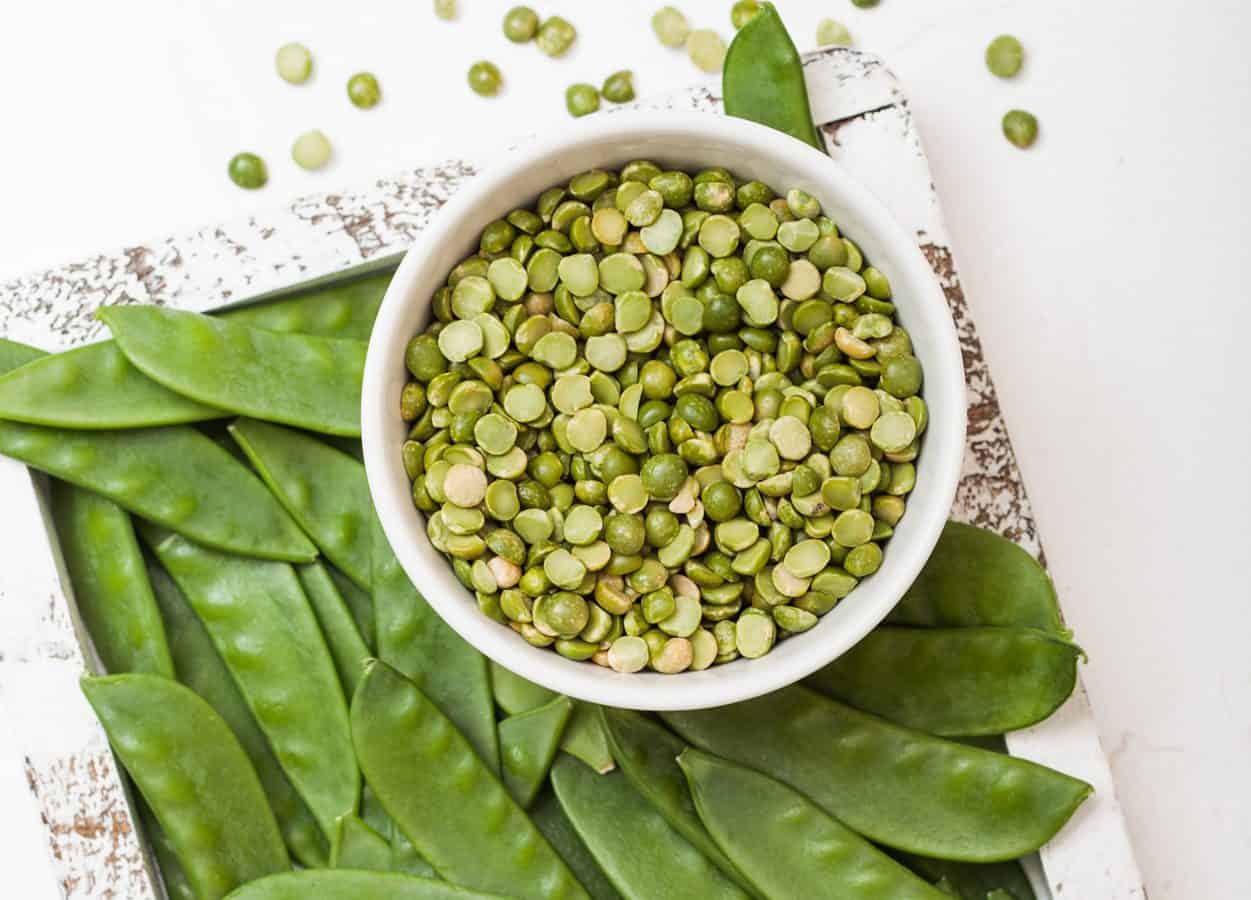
<point x="357" y="846"/>
<point x="344" y="884"/>
<point x="200" y="668"/>
<point x="895" y="786"/>
<point x="94" y="387"/>
<point x="787" y="845"/>
<point x="197" y="779"/>
<point x="976" y="577"/>
<point x="637" y="849"/>
<point x="341" y="310"/>
<point x="14" y="355"/>
<point x="337" y="625"/>
<point x="323" y="489"/>
<point x="648" y="755"/>
<point x="584" y="735"/>
<point x="111" y="588"/>
<point x="262" y="625"/>
<point x="174" y="476"/>
<point x="954" y="681"/>
<point x="444" y="799"/>
<point x="550" y="819"/>
<point x="528" y="744"/>
<point x="413" y="639"/>
<point x="971" y="881"/>
<point x="763" y="78"/>
<point x="303" y="380"/>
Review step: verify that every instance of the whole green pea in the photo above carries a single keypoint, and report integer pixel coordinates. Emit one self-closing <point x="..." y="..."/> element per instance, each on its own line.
<point x="581" y="99"/>
<point x="722" y="501"/>
<point x="247" y="170"/>
<point x="363" y="90"/>
<point x="1020" y="127"/>
<point x="521" y="23"/>
<point x="663" y="475"/>
<point x="485" y="79"/>
<point x="619" y="88"/>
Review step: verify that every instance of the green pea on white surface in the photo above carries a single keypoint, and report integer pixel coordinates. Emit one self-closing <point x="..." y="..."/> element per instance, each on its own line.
<point x="662" y="419"/>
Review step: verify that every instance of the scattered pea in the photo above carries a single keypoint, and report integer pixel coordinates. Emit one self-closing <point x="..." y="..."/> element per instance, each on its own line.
<point x="485" y="79"/>
<point x="1004" y="56"/>
<point x="581" y="99"/>
<point x="830" y="32"/>
<point x="521" y="24"/>
<point x="555" y="36"/>
<point x="706" y="49"/>
<point x="311" y="150"/>
<point x="1020" y="127"/>
<point x="247" y="170"/>
<point x="670" y="26"/>
<point x="363" y="90"/>
<point x="619" y="87"/>
<point x="445" y="9"/>
<point x="294" y="63"/>
<point x="743" y="12"/>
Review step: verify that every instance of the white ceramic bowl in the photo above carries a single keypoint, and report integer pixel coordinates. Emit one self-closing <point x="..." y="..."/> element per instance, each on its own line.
<point x="690" y="141"/>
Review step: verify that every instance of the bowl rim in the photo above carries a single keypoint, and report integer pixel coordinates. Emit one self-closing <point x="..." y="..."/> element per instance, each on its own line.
<point x="719" y="685"/>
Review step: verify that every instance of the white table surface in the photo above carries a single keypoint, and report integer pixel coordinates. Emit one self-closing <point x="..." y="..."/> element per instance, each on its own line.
<point x="1107" y="269"/>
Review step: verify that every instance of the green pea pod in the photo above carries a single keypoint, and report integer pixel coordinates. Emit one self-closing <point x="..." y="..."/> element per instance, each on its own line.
<point x="357" y="846"/>
<point x="337" y="625"/>
<point x="174" y="476"/>
<point x="94" y="387"/>
<point x="200" y="668"/>
<point x="584" y="734"/>
<point x="763" y="78"/>
<point x="263" y="627"/>
<point x="359" y="602"/>
<point x="413" y="639"/>
<point x="344" y="884"/>
<point x="787" y="845"/>
<point x="444" y="799"/>
<point x="550" y="819"/>
<point x="14" y="355"/>
<point x="640" y="853"/>
<point x="969" y="881"/>
<point x="111" y="589"/>
<point x="323" y="489"/>
<point x="528" y="744"/>
<point x="895" y="786"/>
<point x="173" y="878"/>
<point x="976" y="577"/>
<point x="648" y="754"/>
<point x="343" y="309"/>
<point x="303" y="380"/>
<point x="195" y="776"/>
<point x="954" y="681"/>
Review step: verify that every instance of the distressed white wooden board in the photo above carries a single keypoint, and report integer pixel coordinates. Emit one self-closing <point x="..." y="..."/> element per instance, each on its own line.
<point x="96" y="850"/>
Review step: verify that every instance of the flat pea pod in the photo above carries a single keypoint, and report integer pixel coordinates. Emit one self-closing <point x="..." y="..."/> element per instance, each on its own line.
<point x="417" y="762"/>
<point x="954" y="682"/>
<point x="357" y="846"/>
<point x="550" y="818"/>
<point x="584" y="735"/>
<point x="785" y="843"/>
<point x="345" y="884"/>
<point x="343" y="309"/>
<point x="976" y="577"/>
<point x="303" y="380"/>
<point x="413" y="639"/>
<point x="263" y="627"/>
<point x="337" y="625"/>
<point x="648" y="755"/>
<point x="971" y="881"/>
<point x="94" y="387"/>
<point x="763" y="79"/>
<point x="638" y="850"/>
<point x="174" y="476"/>
<point x="110" y="585"/>
<point x="322" y="488"/>
<point x="195" y="776"/>
<point x="200" y="668"/>
<point x="895" y="786"/>
<point x="360" y="602"/>
<point x="14" y="355"/>
<point x="528" y="744"/>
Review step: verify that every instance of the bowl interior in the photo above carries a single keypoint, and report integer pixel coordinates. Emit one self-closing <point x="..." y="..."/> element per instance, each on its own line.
<point x="688" y="141"/>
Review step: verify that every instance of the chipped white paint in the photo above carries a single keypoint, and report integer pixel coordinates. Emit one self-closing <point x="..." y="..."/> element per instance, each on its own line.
<point x="76" y="784"/>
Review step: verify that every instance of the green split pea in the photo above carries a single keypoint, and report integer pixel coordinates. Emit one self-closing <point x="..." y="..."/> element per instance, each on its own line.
<point x="663" y="419"/>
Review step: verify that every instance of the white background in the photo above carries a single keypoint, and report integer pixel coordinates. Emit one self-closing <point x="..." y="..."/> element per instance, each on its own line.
<point x="1107" y="269"/>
